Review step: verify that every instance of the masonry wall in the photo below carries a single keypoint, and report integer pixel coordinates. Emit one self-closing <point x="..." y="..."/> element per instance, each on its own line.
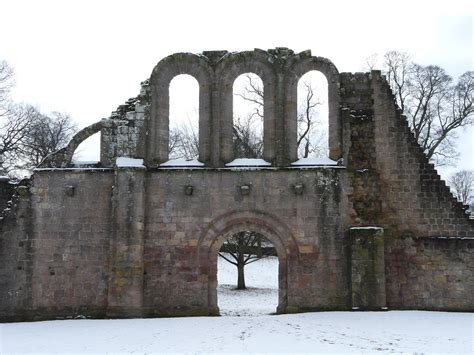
<point x="6" y="192"/>
<point x="428" y="236"/>
<point x="433" y="268"/>
<point x="415" y="197"/>
<point x="176" y="272"/>
<point x="16" y="257"/>
<point x="57" y="247"/>
<point x="71" y="221"/>
<point x="79" y="261"/>
<point x="431" y="273"/>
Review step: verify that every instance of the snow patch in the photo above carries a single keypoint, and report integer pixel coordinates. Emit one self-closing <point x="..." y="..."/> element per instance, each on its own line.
<point x="125" y="162"/>
<point x="400" y="332"/>
<point x="368" y="227"/>
<point x="314" y="161"/>
<point x="247" y="162"/>
<point x="180" y="162"/>
<point x="73" y="169"/>
<point x="388" y="332"/>
<point x="85" y="162"/>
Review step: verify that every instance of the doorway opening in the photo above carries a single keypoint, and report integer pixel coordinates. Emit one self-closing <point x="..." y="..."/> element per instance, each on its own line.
<point x="247" y="275"/>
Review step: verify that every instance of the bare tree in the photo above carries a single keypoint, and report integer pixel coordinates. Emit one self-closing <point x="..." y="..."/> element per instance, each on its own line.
<point x="46" y="135"/>
<point x="435" y="107"/>
<point x="308" y="142"/>
<point x="247" y="130"/>
<point x="371" y="61"/>
<point x="397" y="68"/>
<point x="463" y="184"/>
<point x="6" y="81"/>
<point x="15" y="124"/>
<point x="253" y="92"/>
<point x="184" y="142"/>
<point x="247" y="141"/>
<point x="173" y="142"/>
<point x="26" y="135"/>
<point x="243" y="248"/>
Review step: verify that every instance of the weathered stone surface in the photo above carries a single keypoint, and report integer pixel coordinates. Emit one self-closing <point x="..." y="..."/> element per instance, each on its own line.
<point x="125" y="242"/>
<point x="367" y="268"/>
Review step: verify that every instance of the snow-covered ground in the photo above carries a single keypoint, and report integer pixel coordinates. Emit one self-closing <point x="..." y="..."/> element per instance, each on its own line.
<point x="261" y="297"/>
<point x="407" y="332"/>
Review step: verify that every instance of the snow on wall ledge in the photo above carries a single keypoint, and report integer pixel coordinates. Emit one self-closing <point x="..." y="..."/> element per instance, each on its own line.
<point x="180" y="162"/>
<point x="314" y="161"/>
<point x="247" y="162"/>
<point x="125" y="162"/>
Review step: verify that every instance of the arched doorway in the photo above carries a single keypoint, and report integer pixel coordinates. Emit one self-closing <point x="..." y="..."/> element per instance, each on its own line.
<point x="215" y="237"/>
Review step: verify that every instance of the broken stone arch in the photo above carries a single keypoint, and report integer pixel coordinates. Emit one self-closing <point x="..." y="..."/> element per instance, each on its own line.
<point x="63" y="157"/>
<point x="270" y="227"/>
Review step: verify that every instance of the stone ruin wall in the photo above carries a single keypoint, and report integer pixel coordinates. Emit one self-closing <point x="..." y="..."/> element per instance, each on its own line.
<point x="120" y="242"/>
<point x="428" y="237"/>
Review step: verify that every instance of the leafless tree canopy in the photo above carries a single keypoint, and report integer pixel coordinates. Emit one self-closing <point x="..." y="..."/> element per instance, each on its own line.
<point x="309" y="141"/>
<point x="463" y="184"/>
<point x="47" y="134"/>
<point x="6" y="80"/>
<point x="243" y="248"/>
<point x="253" y="92"/>
<point x="435" y="106"/>
<point x="26" y="135"/>
<point x="184" y="142"/>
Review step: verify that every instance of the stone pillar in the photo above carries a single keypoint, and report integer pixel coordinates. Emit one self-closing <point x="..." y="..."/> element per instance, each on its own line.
<point x="125" y="297"/>
<point x="367" y="268"/>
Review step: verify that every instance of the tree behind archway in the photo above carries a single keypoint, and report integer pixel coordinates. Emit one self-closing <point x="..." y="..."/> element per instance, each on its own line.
<point x="244" y="248"/>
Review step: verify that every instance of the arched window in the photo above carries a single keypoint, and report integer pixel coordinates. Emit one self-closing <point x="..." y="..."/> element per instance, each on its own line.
<point x="313" y="126"/>
<point x="184" y="118"/>
<point x="248" y="116"/>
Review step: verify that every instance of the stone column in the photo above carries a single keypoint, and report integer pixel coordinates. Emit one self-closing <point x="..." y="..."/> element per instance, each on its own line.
<point x="367" y="268"/>
<point x="125" y="297"/>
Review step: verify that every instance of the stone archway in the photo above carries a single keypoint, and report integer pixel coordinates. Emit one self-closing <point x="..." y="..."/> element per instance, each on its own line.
<point x="274" y="230"/>
<point x="158" y="135"/>
<point x="297" y="66"/>
<point x="227" y="70"/>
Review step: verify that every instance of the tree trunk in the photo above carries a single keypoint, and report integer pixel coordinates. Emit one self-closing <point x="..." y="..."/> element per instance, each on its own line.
<point x="241" y="277"/>
<point x="240" y="266"/>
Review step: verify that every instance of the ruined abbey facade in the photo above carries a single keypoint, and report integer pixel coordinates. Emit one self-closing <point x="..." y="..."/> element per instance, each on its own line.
<point x="378" y="229"/>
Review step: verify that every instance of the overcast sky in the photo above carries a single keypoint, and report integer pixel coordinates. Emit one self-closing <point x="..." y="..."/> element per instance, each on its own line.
<point x="88" y="57"/>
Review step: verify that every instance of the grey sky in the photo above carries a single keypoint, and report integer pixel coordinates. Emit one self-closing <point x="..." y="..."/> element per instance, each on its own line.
<point x="87" y="57"/>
